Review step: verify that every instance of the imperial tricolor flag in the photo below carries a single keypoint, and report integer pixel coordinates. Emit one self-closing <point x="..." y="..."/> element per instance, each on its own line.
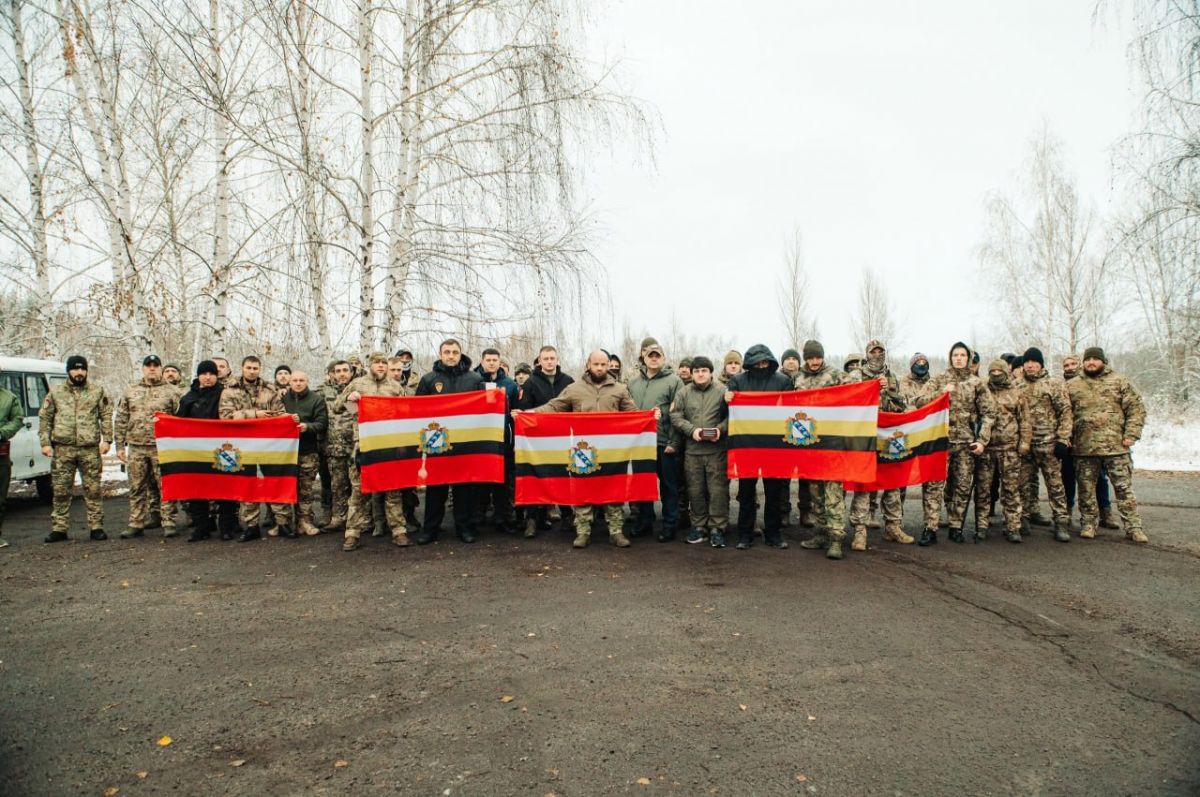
<point x="826" y="434"/>
<point x="419" y="440"/>
<point x="584" y="458"/>
<point x="911" y="447"/>
<point x="246" y="460"/>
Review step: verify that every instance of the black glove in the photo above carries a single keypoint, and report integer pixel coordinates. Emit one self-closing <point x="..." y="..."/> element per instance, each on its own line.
<point x="1061" y="450"/>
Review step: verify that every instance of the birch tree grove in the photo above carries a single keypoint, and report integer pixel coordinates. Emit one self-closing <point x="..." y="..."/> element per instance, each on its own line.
<point x="298" y="175"/>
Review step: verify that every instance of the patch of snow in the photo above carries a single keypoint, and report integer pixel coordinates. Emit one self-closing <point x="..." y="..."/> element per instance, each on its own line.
<point x="1170" y="441"/>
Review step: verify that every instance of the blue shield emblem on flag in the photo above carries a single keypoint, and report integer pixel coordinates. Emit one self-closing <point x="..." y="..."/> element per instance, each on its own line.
<point x="895" y="447"/>
<point x="435" y="439"/>
<point x="581" y="459"/>
<point x="801" y="430"/>
<point x="227" y="459"/>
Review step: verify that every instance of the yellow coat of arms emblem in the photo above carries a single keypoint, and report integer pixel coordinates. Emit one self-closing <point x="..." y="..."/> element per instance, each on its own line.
<point x="895" y="447"/>
<point x="227" y="459"/>
<point x="581" y="459"/>
<point x="801" y="430"/>
<point x="435" y="439"/>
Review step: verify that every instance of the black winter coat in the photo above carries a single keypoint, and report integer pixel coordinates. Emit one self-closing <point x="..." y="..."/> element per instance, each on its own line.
<point x="760" y="380"/>
<point x="201" y="402"/>
<point x="539" y="388"/>
<point x="442" y="380"/>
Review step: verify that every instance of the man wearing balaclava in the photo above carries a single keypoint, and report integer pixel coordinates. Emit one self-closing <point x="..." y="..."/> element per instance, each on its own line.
<point x="1109" y="416"/>
<point x="972" y="414"/>
<point x="1050" y="423"/>
<point x="1010" y="441"/>
<point x="76" y="428"/>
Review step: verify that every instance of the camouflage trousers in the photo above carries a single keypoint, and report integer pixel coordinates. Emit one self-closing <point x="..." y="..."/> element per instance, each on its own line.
<point x="359" y="518"/>
<point x="248" y="513"/>
<point x="1007" y="462"/>
<point x="340" y="469"/>
<point x="145" y="484"/>
<point x="1120" y="473"/>
<point x="306" y="489"/>
<point x="708" y="489"/>
<point x="613" y="518"/>
<point x="67" y="460"/>
<point x="862" y="507"/>
<point x="827" y="504"/>
<point x="960" y="472"/>
<point x="1042" y="459"/>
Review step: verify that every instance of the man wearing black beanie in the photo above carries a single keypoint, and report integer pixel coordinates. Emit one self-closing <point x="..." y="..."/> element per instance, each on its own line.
<point x="204" y="401"/>
<point x="75" y="427"/>
<point x="1048" y="411"/>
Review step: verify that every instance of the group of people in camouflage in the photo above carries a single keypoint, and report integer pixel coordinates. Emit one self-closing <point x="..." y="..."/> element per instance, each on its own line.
<point x="1012" y="426"/>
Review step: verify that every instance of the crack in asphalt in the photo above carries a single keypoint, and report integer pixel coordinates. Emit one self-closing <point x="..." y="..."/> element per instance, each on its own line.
<point x="1053" y="639"/>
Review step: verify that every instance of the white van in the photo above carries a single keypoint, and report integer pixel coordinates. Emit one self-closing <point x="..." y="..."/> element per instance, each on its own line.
<point x="30" y="381"/>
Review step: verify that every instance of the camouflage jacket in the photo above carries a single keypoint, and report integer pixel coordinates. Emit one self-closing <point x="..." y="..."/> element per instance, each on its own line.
<point x="346" y="412"/>
<point x="1107" y="409"/>
<point x="890" y="397"/>
<point x="135" y="411"/>
<point x="1049" y="409"/>
<point x="240" y="400"/>
<point x="911" y="386"/>
<point x="972" y="411"/>
<point x="75" y="416"/>
<point x="339" y="436"/>
<point x="1012" y="429"/>
<point x="828" y="376"/>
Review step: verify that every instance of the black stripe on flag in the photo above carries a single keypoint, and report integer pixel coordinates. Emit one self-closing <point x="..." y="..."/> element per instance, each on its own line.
<point x="177" y="468"/>
<point x="606" y="469"/>
<point x="380" y="455"/>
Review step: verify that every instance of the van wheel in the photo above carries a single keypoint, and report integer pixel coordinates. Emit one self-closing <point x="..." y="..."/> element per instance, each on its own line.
<point x="45" y="488"/>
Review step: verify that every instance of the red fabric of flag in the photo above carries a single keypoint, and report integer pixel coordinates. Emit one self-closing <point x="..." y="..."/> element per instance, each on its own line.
<point x="254" y="461"/>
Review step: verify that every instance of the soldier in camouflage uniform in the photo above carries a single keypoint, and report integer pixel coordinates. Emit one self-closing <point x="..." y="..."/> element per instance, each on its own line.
<point x="376" y="382"/>
<point x="1050" y="425"/>
<point x="972" y="414"/>
<point x="1011" y="437"/>
<point x="75" y="430"/>
<point x="253" y="397"/>
<point x="339" y="449"/>
<point x="307" y="408"/>
<point x="134" y="429"/>
<point x="1108" y="420"/>
<point x="891" y="399"/>
<point x="827" y="499"/>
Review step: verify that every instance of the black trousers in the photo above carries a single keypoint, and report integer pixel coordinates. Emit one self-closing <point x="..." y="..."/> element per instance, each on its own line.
<point x="435" y="506"/>
<point x="773" y="495"/>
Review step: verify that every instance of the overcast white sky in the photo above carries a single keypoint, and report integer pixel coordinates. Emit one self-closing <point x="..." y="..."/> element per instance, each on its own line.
<point x="877" y="127"/>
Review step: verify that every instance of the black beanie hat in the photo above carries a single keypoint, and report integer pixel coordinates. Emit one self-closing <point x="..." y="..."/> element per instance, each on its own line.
<point x="77" y="361"/>
<point x="702" y="362"/>
<point x="206" y="367"/>
<point x="279" y="368"/>
<point x="813" y="348"/>
<point x="1034" y="355"/>
<point x="1097" y="352"/>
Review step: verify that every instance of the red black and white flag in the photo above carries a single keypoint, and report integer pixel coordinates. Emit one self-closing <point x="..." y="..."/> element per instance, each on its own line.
<point x="245" y="460"/>
<point x="911" y="448"/>
<point x="826" y="434"/>
<point x="585" y="458"/>
<point x="415" y="441"/>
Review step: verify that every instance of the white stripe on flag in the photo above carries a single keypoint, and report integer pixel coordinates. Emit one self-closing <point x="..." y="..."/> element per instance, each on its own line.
<point x="941" y="418"/>
<point x="411" y="425"/>
<point x="779" y="412"/>
<point x="242" y="443"/>
<point x="606" y="442"/>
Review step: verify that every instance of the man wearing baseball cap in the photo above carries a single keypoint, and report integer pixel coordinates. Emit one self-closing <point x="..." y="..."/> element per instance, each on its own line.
<point x="134" y="435"/>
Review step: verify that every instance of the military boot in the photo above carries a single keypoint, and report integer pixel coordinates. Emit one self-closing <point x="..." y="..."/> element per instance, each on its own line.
<point x="928" y="537"/>
<point x="835" y="550"/>
<point x="1025" y="532"/>
<point x="130" y="533"/>
<point x="1136" y="535"/>
<point x="98" y="535"/>
<point x="859" y="543"/>
<point x="581" y="538"/>
<point x="1038" y="519"/>
<point x="1088" y="532"/>
<point x="980" y="533"/>
<point x="1108" y="518"/>
<point x="815" y="542"/>
<point x="618" y="538"/>
<point x="306" y="527"/>
<point x="530" y="528"/>
<point x="56" y="536"/>
<point x="806" y="519"/>
<point x="1013" y="536"/>
<point x="1060" y="532"/>
<point x="401" y="540"/>
<point x="956" y="535"/>
<point x="893" y="533"/>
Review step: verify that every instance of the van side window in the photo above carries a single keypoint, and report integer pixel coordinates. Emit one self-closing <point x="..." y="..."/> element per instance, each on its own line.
<point x="13" y="383"/>
<point x="35" y="391"/>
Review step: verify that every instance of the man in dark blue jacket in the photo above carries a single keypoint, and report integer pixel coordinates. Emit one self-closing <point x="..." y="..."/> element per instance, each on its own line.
<point x="499" y="497"/>
<point x="450" y="374"/>
<point x="760" y="374"/>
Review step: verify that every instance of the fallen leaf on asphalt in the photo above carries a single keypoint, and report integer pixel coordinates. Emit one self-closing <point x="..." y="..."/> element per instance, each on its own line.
<point x="800" y="777"/>
<point x="124" y="585"/>
<point x="166" y="740"/>
<point x="237" y="762"/>
<point x="643" y="781"/>
<point x="552" y="773"/>
<point x="143" y="775"/>
<point x="507" y="699"/>
<point x="743" y="706"/>
<point x="811" y="718"/>
<point x="111" y="791"/>
<point x="341" y="764"/>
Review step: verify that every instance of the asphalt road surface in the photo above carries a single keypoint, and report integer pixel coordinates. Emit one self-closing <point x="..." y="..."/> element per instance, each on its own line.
<point x="528" y="668"/>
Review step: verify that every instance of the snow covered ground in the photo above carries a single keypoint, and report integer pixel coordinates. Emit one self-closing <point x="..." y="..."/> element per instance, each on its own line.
<point x="1170" y="441"/>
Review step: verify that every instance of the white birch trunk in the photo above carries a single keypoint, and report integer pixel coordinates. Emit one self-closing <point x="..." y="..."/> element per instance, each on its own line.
<point x="220" y="262"/>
